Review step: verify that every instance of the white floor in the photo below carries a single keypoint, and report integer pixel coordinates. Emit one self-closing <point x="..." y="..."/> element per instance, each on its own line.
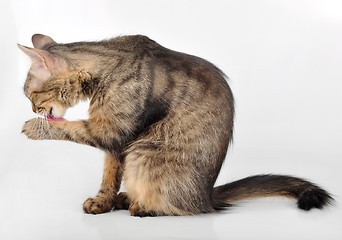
<point x="284" y="63"/>
<point x="45" y="183"/>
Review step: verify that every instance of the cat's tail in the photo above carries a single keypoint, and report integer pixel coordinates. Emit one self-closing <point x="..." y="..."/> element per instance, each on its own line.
<point x="307" y="194"/>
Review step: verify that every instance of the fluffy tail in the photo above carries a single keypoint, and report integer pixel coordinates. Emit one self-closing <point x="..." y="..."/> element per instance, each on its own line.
<point x="307" y="194"/>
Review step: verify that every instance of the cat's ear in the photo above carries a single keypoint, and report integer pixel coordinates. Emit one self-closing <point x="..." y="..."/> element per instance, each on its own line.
<point x="39" y="67"/>
<point x="44" y="64"/>
<point x="41" y="41"/>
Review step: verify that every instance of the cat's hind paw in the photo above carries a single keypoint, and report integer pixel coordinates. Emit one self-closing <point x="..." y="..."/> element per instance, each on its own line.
<point x="122" y="201"/>
<point x="138" y="211"/>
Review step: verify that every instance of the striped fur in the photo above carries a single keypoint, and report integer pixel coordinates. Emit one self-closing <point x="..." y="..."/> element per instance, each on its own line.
<point x="164" y="119"/>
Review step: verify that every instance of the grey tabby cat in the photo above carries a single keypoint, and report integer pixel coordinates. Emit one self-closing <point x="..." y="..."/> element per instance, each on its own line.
<point x="164" y="119"/>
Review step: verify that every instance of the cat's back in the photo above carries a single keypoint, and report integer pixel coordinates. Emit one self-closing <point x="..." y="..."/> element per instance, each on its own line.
<point x="180" y="70"/>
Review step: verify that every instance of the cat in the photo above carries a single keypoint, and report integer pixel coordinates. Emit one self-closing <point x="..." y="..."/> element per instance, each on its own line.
<point x="163" y="118"/>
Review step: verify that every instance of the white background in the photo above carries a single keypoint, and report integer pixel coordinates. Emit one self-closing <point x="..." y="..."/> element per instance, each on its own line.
<point x="284" y="62"/>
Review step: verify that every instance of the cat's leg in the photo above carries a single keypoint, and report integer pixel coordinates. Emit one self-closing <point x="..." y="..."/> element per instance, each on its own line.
<point x="90" y="133"/>
<point x="86" y="132"/>
<point x="107" y="195"/>
<point x="149" y="182"/>
<point x="169" y="174"/>
<point x="41" y="129"/>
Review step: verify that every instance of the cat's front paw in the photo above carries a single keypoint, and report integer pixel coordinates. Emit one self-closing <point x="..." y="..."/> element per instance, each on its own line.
<point x="98" y="205"/>
<point x="37" y="129"/>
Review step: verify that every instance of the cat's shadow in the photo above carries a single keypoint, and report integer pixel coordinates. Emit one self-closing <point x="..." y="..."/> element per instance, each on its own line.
<point x="120" y="225"/>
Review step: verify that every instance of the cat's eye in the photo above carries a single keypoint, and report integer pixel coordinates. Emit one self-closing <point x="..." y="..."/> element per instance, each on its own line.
<point x="34" y="108"/>
<point x="37" y="109"/>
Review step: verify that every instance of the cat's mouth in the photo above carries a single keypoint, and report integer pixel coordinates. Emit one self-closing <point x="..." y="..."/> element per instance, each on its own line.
<point x="51" y="116"/>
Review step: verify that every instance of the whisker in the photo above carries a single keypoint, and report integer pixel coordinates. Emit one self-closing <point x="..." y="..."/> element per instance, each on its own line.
<point x="38" y="126"/>
<point x="47" y="124"/>
<point x="48" y="128"/>
<point x="33" y="126"/>
<point x="43" y="126"/>
<point x="41" y="130"/>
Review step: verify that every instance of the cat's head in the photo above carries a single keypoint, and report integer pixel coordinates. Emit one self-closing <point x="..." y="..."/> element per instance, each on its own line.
<point x="50" y="83"/>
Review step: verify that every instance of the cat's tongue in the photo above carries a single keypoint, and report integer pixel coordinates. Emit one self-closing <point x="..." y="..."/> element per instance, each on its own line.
<point x="52" y="119"/>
